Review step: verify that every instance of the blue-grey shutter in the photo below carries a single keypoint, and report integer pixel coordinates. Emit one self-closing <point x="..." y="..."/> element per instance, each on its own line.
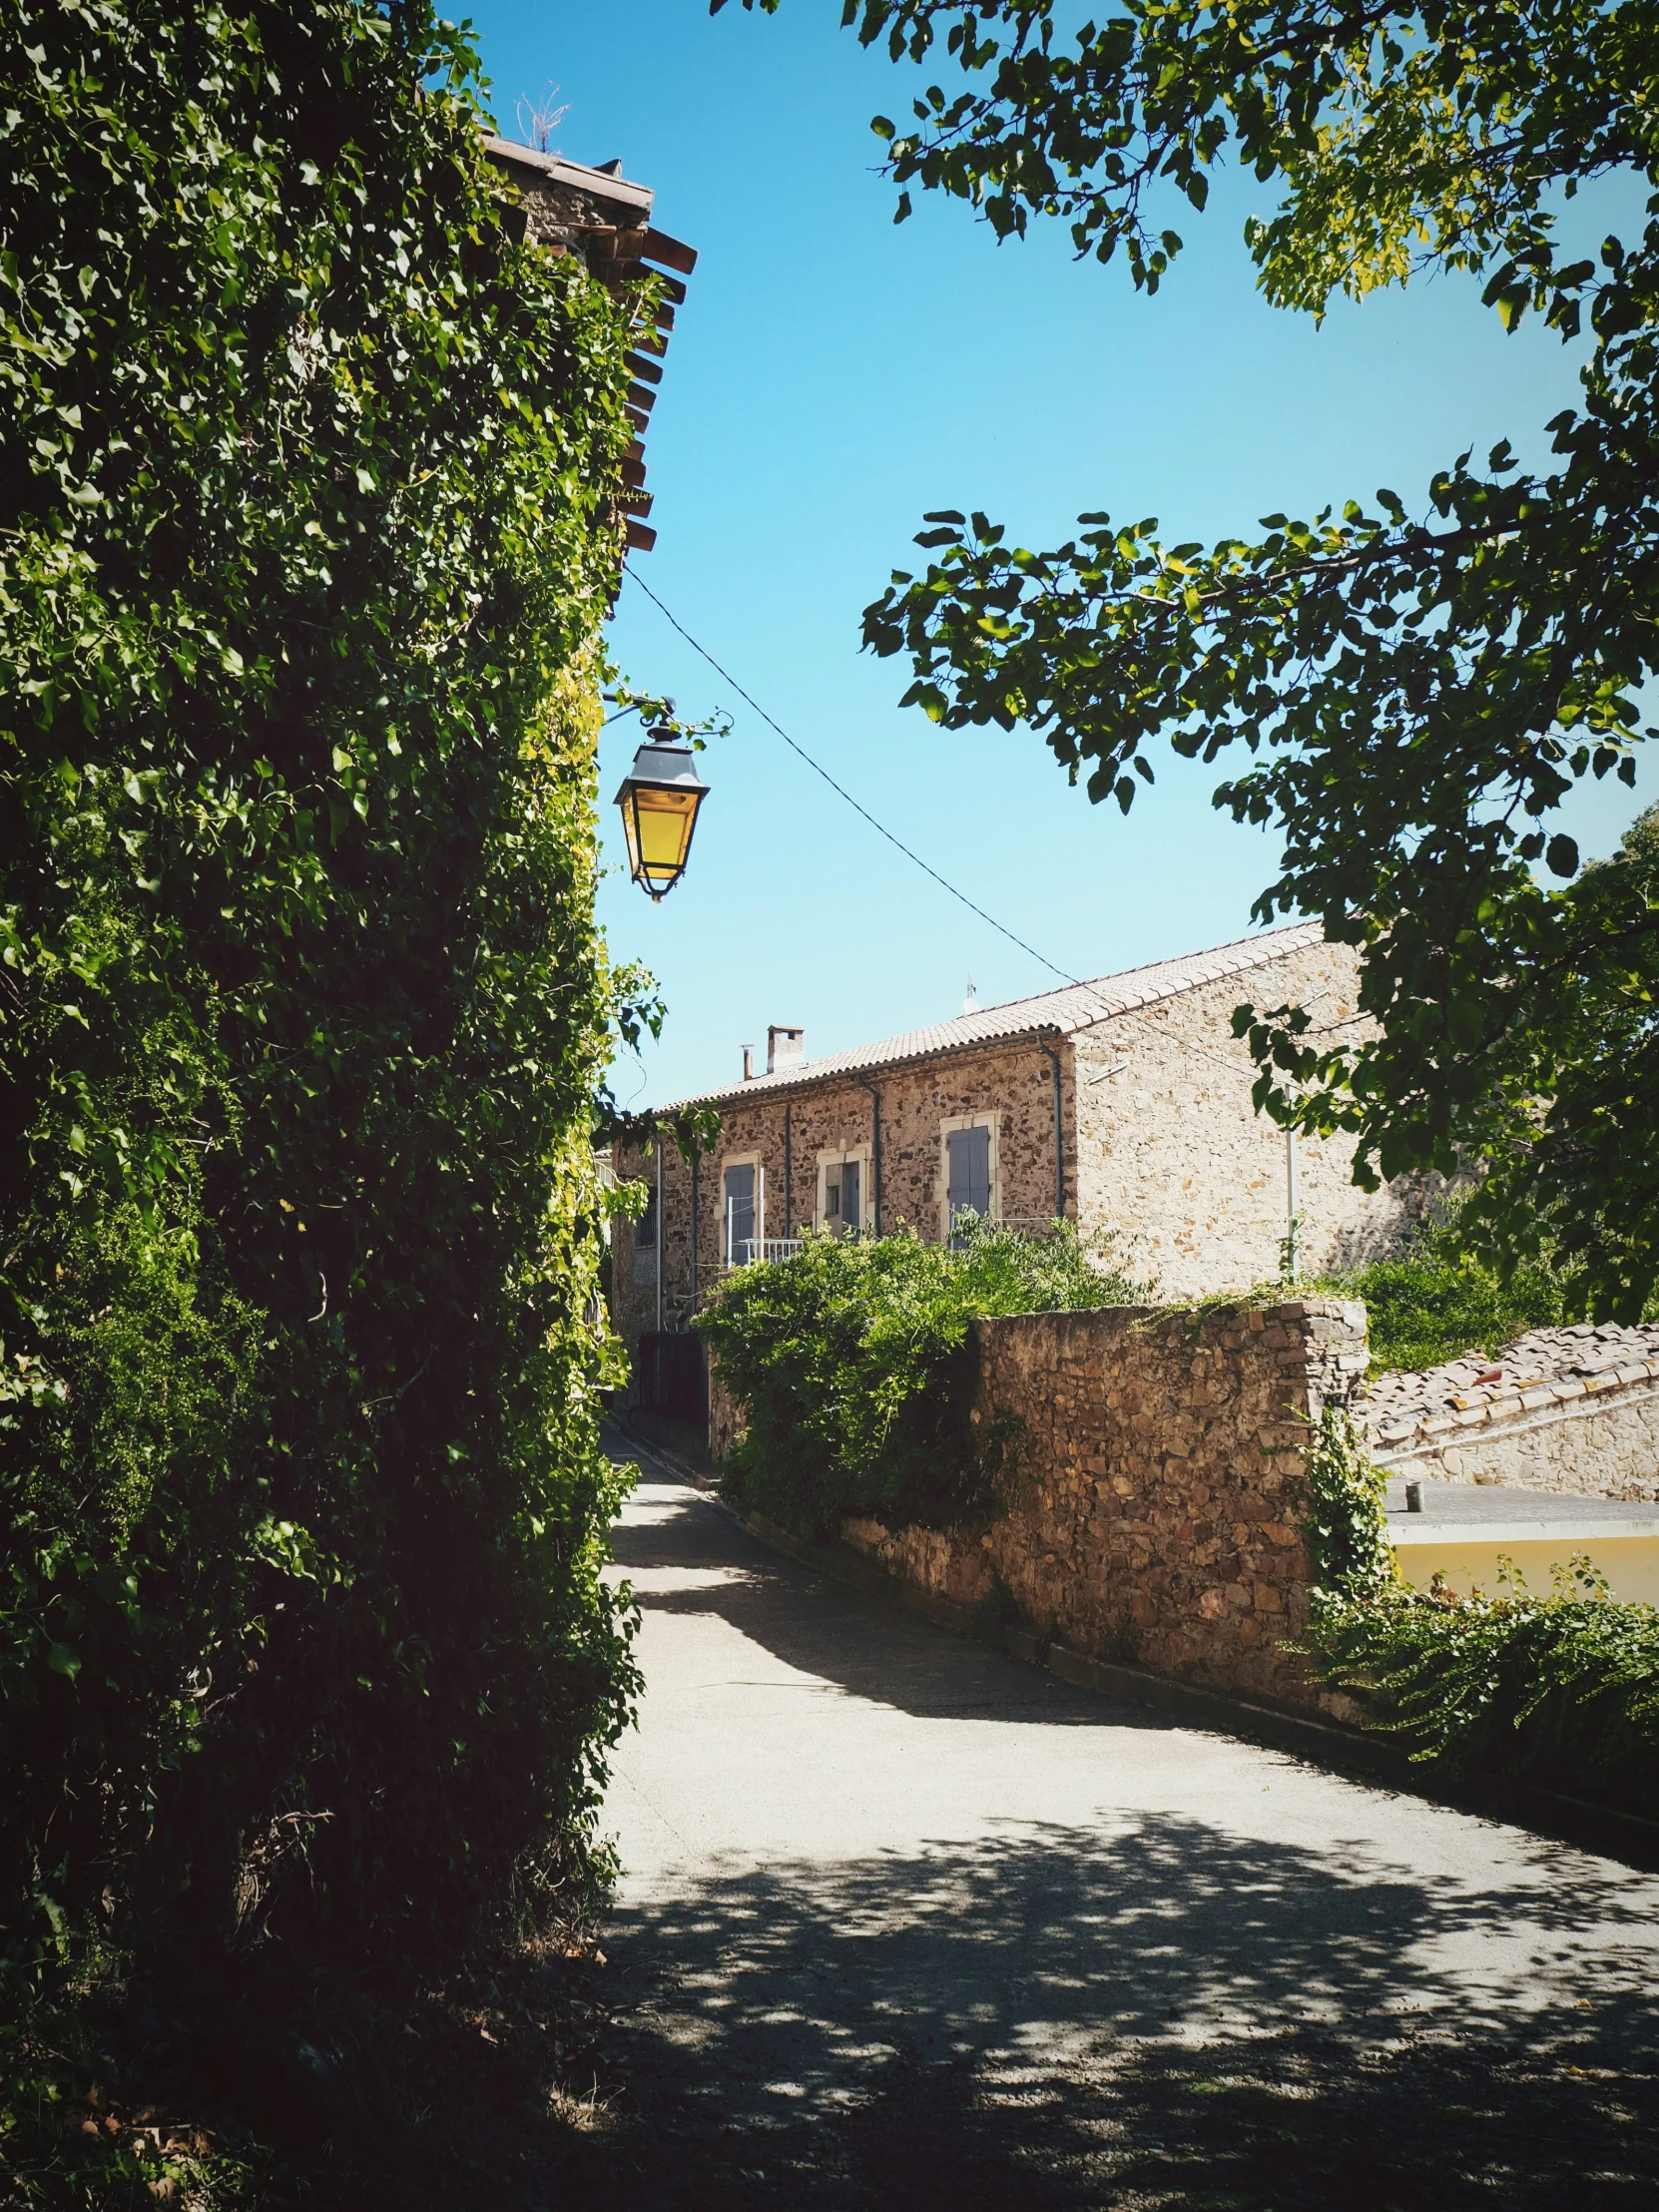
<point x="969" y="1155"/>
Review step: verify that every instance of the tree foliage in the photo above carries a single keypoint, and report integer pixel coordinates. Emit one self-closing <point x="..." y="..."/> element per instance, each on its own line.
<point x="308" y="465"/>
<point x="852" y="1363"/>
<point x="1435" y="1299"/>
<point x="1418" y="683"/>
<point x="1345" y="1518"/>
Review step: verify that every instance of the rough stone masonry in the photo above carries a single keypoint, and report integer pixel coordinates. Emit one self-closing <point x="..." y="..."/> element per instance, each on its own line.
<point x="1157" y="1487"/>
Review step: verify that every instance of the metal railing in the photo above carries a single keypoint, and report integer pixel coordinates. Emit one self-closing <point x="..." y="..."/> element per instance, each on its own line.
<point x="745" y="1251"/>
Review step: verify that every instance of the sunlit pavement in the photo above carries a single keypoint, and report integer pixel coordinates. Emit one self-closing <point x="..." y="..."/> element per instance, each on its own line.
<point x="858" y="1847"/>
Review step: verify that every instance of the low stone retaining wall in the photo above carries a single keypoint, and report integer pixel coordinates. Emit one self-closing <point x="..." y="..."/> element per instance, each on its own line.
<point x="1574" y="1410"/>
<point x="1159" y="1485"/>
<point x="1606" y="1446"/>
<point x="725" y="1417"/>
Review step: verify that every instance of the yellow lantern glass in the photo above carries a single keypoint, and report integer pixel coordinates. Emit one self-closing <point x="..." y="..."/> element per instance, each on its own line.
<point x="659" y="798"/>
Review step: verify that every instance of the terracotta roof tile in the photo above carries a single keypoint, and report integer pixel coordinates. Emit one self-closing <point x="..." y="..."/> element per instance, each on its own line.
<point x="1547" y="1366"/>
<point x="1073" y="1007"/>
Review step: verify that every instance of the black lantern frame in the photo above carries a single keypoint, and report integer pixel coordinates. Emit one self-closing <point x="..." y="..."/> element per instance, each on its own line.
<point x="660" y="798"/>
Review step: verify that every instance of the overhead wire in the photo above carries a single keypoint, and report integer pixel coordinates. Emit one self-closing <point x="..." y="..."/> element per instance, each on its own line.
<point x="1106" y="1013"/>
<point x="840" y="790"/>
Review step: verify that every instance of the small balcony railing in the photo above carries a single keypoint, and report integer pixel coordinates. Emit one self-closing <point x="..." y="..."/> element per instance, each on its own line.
<point x="745" y="1251"/>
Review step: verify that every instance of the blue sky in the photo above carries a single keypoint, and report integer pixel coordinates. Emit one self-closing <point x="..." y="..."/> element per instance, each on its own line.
<point x="831" y="377"/>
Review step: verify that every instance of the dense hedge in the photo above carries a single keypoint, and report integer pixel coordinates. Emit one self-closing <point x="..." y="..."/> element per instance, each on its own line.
<point x="306" y="469"/>
<point x="1559" y="1687"/>
<point x="852" y="1363"/>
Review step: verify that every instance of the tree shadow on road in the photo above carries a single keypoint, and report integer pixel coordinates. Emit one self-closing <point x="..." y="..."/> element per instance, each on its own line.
<point x="1160" y="2015"/>
<point x="684" y="1555"/>
<point x="1148" y="2011"/>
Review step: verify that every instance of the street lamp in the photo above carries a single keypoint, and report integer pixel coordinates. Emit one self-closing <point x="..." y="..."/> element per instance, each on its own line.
<point x="659" y="798"/>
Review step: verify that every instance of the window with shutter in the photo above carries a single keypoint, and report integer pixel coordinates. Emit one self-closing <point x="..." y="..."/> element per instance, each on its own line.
<point x="853" y="1211"/>
<point x="740" y="1215"/>
<point x="968" y="1152"/>
<point x="843" y="1192"/>
<point x="645" y="1240"/>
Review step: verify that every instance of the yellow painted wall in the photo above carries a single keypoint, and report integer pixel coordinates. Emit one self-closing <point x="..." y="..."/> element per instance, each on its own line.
<point x="1630" y="1563"/>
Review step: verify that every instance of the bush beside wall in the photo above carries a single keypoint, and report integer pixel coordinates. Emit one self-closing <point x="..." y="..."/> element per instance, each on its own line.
<point x="851" y="1364"/>
<point x="1559" y="1688"/>
<point x="1437" y="1300"/>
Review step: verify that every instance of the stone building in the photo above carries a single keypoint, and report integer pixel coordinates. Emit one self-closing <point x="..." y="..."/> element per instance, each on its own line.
<point x="1122" y="1104"/>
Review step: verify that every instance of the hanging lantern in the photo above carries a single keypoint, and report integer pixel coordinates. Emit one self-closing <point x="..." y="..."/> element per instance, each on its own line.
<point x="659" y="798"/>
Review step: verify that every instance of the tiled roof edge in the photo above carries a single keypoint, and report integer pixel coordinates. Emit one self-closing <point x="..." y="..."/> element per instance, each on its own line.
<point x="600" y="182"/>
<point x="1210" y="967"/>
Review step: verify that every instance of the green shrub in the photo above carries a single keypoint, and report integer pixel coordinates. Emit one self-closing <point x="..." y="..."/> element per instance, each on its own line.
<point x="309" y="468"/>
<point x="850" y="1360"/>
<point x="1437" y="1301"/>
<point x="1345" y="1522"/>
<point x="1560" y="1689"/>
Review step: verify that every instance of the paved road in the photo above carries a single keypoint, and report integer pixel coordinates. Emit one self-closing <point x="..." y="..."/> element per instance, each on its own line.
<point x="893" y="1904"/>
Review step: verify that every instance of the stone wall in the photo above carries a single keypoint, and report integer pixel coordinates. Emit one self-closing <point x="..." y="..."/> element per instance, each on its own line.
<point x="1154" y="1512"/>
<point x="726" y="1423"/>
<point x="1171" y="1152"/>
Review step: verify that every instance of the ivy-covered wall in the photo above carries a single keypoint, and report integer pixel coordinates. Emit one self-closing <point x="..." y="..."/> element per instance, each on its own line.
<point x="309" y="469"/>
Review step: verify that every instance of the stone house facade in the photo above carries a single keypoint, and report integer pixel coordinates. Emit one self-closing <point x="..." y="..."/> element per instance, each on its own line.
<point x="1122" y="1104"/>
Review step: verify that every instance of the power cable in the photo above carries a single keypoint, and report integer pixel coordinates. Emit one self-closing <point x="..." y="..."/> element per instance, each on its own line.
<point x="1235" y="1067"/>
<point x="840" y="791"/>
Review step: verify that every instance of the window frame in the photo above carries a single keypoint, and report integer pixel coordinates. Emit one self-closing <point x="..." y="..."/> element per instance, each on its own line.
<point x="644" y="1270"/>
<point x="756" y="1161"/>
<point x="861" y="1155"/>
<point x="988" y="1118"/>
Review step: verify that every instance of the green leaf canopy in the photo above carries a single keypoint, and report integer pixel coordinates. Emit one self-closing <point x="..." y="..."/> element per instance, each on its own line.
<point x="309" y="469"/>
<point x="1417" y="688"/>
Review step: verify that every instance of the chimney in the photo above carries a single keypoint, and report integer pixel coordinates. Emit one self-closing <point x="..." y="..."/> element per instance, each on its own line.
<point x="786" y="1048"/>
<point x="748" y="1063"/>
<point x="970" y="1005"/>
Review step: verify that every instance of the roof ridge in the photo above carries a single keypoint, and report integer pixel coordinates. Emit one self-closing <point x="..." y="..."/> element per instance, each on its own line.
<point x="991" y="1025"/>
<point x="1122" y="975"/>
